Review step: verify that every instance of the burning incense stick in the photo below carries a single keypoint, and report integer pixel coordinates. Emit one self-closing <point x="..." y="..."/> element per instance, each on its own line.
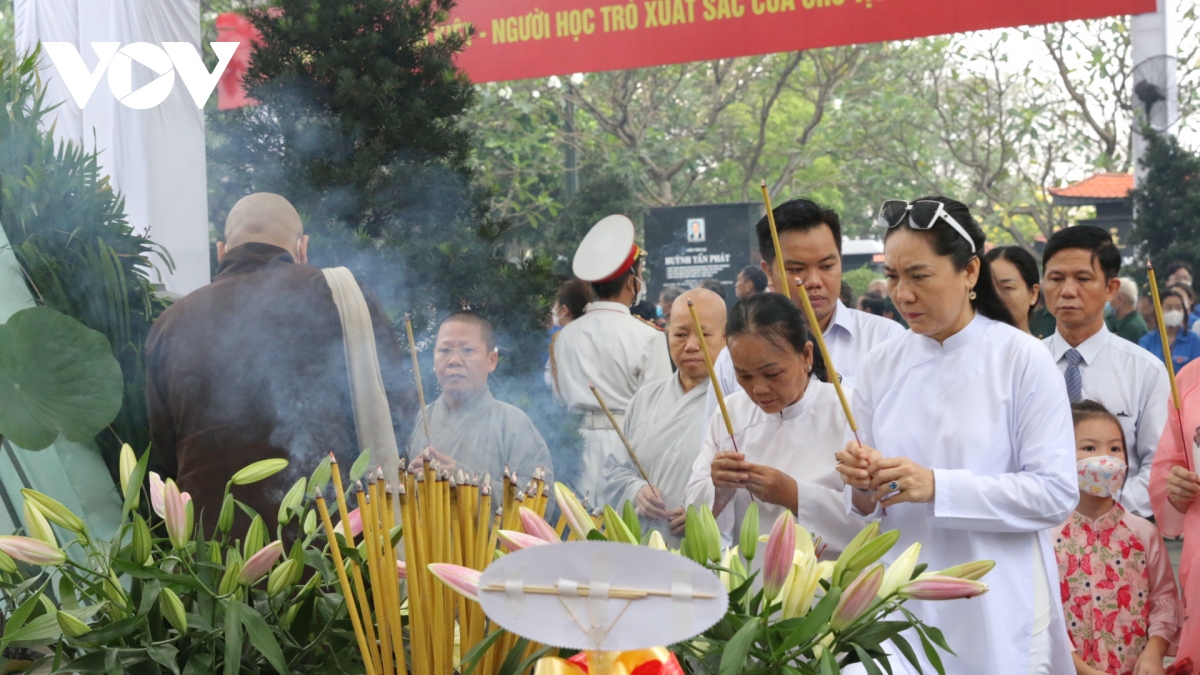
<point x="360" y="587"/>
<point x="783" y="278"/>
<point x="712" y="373"/>
<point x="412" y="348"/>
<point x="336" y="553"/>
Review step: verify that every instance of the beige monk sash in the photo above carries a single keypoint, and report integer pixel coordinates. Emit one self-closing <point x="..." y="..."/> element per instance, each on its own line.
<point x="372" y="415"/>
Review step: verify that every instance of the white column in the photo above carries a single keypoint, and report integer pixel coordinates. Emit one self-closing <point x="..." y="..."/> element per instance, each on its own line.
<point x="1153" y="35"/>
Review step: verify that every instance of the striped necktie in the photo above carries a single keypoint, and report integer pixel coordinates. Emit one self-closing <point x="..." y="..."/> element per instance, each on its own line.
<point x="1074" y="379"/>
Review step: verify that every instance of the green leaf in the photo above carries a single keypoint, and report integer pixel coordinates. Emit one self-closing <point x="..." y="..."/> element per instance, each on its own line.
<point x="200" y="664"/>
<point x="166" y="655"/>
<point x="907" y="650"/>
<point x="733" y="660"/>
<point x="359" y="468"/>
<point x="22" y="613"/>
<point x="931" y="652"/>
<point x="40" y="631"/>
<point x="935" y="634"/>
<point x="866" y="660"/>
<point x="56" y="376"/>
<point x="471" y="660"/>
<point x="137" y="477"/>
<point x="596" y="535"/>
<point x="263" y="639"/>
<point x="817" y="619"/>
<point x="233" y="638"/>
<point x="320" y="475"/>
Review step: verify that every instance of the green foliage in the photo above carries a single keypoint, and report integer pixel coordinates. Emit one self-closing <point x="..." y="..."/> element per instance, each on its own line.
<point x="78" y="253"/>
<point x="358" y="126"/>
<point x="1166" y="202"/>
<point x="860" y="278"/>
<point x="56" y="376"/>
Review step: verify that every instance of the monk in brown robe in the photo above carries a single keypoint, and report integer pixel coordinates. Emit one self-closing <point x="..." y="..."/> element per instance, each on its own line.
<point x="252" y="366"/>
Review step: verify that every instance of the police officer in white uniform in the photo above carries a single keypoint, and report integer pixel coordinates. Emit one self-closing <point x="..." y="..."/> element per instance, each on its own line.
<point x="607" y="346"/>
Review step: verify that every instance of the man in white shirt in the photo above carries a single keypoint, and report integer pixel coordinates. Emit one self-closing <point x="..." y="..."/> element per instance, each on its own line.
<point x="810" y="237"/>
<point x="607" y="347"/>
<point x="1080" y="267"/>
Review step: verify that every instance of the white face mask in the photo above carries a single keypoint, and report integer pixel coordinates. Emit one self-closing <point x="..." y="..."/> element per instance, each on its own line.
<point x="1101" y="475"/>
<point x="641" y="294"/>
<point x="1173" y="318"/>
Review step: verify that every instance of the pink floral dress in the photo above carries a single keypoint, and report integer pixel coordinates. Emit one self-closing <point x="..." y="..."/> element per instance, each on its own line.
<point x="1117" y="588"/>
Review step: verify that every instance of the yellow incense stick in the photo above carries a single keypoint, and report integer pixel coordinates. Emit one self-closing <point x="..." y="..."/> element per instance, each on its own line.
<point x="1166" y="345"/>
<point x="360" y="587"/>
<point x="412" y="348"/>
<point x="617" y="427"/>
<point x="393" y="581"/>
<point x="367" y="507"/>
<point x="712" y="373"/>
<point x="783" y="278"/>
<point x="336" y="554"/>
<point x="829" y="369"/>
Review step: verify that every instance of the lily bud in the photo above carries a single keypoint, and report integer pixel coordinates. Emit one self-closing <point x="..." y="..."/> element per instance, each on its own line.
<point x="615" y="528"/>
<point x="127" y="463"/>
<point x="280" y="578"/>
<point x="229" y="580"/>
<point x="71" y="626"/>
<point x="214" y="552"/>
<point x="7" y="564"/>
<point x="749" y="537"/>
<point x="857" y="598"/>
<point x="693" y="532"/>
<point x="260" y="563"/>
<point x="142" y="541"/>
<point x="310" y="523"/>
<point x="516" y="541"/>
<point x="461" y="580"/>
<point x="292" y="500"/>
<point x="259" y="470"/>
<point x="256" y="537"/>
<point x="866" y="534"/>
<point x="937" y="587"/>
<point x="176" y="515"/>
<point x="973" y="571"/>
<point x="172" y="609"/>
<point x="157" y="488"/>
<point x="577" y="517"/>
<point x="225" y="519"/>
<point x="355" y="518"/>
<point x="37" y="526"/>
<point x="801" y="587"/>
<point x="32" y="551"/>
<point x="656" y="541"/>
<point x="777" y="560"/>
<point x="871" y="552"/>
<point x="712" y="534"/>
<point x="401" y="569"/>
<point x="734" y="573"/>
<point x="900" y="572"/>
<point x="535" y="525"/>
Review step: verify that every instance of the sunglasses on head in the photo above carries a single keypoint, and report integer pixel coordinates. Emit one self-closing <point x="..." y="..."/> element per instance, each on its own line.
<point x="921" y="215"/>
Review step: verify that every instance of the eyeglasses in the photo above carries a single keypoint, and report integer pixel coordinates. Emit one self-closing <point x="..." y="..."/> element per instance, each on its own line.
<point x="921" y="215"/>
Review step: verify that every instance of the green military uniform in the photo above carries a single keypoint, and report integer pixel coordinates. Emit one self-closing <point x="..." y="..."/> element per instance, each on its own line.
<point x="1132" y="327"/>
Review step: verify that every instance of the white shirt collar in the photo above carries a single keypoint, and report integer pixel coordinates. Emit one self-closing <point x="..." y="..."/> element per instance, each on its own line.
<point x="843" y="317"/>
<point x="604" y="304"/>
<point x="962" y="338"/>
<point x="806" y="401"/>
<point x="1089" y="349"/>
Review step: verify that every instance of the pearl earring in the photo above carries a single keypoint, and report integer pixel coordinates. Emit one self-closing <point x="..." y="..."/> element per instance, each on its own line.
<point x="972" y="294"/>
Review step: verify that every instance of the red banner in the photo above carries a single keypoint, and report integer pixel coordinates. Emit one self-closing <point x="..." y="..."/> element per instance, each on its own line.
<point x="518" y="39"/>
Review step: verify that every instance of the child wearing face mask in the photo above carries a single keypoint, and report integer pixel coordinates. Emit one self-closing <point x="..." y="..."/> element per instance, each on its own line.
<point x="1118" y="592"/>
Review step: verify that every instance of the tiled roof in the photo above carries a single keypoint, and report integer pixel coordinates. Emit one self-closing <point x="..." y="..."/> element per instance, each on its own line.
<point x="1099" y="186"/>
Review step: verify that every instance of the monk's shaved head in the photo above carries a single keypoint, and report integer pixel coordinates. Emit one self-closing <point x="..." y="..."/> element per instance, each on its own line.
<point x="710" y="307"/>
<point x="263" y="218"/>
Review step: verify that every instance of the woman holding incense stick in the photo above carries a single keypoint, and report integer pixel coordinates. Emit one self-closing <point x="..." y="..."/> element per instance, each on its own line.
<point x="787" y="424"/>
<point x="967" y="443"/>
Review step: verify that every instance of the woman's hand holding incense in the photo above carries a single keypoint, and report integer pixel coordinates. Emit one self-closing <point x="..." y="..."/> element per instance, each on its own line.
<point x="901" y="478"/>
<point x="772" y="486"/>
<point x="1182" y="488"/>
<point x="853" y="462"/>
<point x="729" y="472"/>
<point x="649" y="503"/>
<point x="677" y="519"/>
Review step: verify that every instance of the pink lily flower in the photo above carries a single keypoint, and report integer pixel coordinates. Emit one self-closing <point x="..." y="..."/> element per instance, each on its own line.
<point x="777" y="560"/>
<point x="515" y="541"/>
<point x="461" y="580"/>
<point x="175" y="513"/>
<point x="355" y="518"/>
<point x="401" y="569"/>
<point x="32" y="551"/>
<point x="535" y="525"/>
<point x="857" y="598"/>
<point x="157" y="488"/>
<point x="937" y="587"/>
<point x="260" y="563"/>
<point x="577" y="517"/>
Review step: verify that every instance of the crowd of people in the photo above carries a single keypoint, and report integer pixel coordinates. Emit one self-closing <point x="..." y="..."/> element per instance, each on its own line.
<point x="1003" y="412"/>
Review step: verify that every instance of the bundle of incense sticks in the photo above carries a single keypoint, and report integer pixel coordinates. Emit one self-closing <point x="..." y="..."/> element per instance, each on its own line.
<point x="437" y="516"/>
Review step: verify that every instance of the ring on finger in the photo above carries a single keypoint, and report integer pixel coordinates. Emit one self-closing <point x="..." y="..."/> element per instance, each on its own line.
<point x="894" y="486"/>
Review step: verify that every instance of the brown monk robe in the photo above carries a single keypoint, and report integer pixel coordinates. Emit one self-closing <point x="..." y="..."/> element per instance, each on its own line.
<point x="252" y="367"/>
